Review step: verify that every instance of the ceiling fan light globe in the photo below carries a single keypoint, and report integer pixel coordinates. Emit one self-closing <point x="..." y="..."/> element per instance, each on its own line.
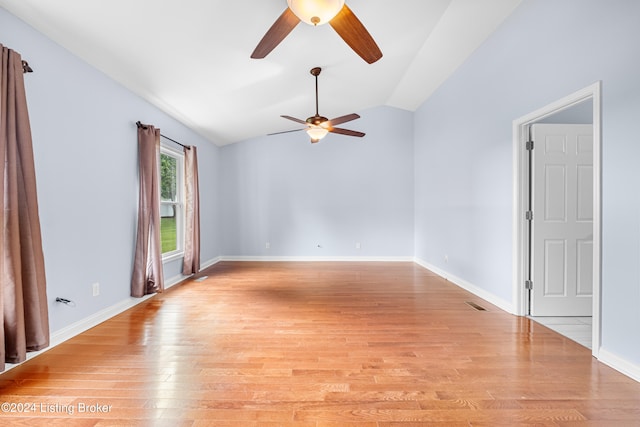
<point x="315" y="12"/>
<point x="317" y="132"/>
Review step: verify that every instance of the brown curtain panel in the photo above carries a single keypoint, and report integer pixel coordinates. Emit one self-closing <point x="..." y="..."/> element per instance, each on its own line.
<point x="147" y="265"/>
<point x="23" y="290"/>
<point x="191" y="263"/>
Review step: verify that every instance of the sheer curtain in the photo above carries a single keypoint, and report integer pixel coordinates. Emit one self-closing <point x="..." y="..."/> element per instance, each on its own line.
<point x="147" y="265"/>
<point x="23" y="294"/>
<point x="191" y="263"/>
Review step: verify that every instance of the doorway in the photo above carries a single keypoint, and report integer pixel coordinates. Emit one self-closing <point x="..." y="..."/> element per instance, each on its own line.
<point x="527" y="253"/>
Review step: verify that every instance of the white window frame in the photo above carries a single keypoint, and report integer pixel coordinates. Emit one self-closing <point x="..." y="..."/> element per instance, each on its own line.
<point x="179" y="203"/>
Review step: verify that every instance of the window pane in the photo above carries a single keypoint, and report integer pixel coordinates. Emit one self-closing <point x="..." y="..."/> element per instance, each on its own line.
<point x="168" y="178"/>
<point x="168" y="232"/>
<point x="168" y="211"/>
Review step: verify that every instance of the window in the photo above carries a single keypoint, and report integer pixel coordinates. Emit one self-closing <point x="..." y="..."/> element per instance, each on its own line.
<point x="171" y="203"/>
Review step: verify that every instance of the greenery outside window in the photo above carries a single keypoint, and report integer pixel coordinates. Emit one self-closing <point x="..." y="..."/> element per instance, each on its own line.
<point x="171" y="203"/>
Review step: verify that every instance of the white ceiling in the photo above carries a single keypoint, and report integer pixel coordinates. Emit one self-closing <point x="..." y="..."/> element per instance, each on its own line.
<point x="191" y="58"/>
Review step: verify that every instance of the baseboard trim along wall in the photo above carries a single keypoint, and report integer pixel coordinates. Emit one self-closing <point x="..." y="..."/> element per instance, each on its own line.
<point x="68" y="332"/>
<point x="487" y="296"/>
<point x="619" y="364"/>
<point x="209" y="263"/>
<point x="76" y="328"/>
<point x="315" y="259"/>
<point x="109" y="312"/>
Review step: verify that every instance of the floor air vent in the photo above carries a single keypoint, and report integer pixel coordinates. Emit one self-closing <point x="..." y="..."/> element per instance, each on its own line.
<point x="476" y="306"/>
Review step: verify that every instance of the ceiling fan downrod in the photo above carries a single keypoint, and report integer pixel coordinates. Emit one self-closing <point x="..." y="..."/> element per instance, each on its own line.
<point x="317" y="119"/>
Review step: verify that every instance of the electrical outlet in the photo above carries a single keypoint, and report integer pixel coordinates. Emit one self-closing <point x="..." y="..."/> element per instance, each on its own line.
<point x="267" y="245"/>
<point x="446" y="258"/>
<point x="96" y="289"/>
<point x="357" y="245"/>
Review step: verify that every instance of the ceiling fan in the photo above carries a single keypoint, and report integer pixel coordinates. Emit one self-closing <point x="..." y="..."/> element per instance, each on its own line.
<point x="318" y="126"/>
<point x="318" y="12"/>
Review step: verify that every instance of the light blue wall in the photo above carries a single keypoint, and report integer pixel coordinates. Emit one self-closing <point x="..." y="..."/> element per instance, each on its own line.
<point x="463" y="149"/>
<point x="343" y="190"/>
<point x="84" y="139"/>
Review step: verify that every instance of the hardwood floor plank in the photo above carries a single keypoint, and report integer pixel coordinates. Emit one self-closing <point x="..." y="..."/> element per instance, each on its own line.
<point x="320" y="345"/>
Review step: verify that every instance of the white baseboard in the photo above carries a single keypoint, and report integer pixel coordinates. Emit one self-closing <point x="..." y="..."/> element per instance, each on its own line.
<point x="172" y="281"/>
<point x="487" y="296"/>
<point x="68" y="332"/>
<point x="76" y="328"/>
<point x="209" y="263"/>
<point x="95" y="319"/>
<point x="619" y="364"/>
<point x="315" y="259"/>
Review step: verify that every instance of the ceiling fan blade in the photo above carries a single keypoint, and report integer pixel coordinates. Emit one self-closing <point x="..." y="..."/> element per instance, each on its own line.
<point x="285" y="131"/>
<point x="340" y="120"/>
<point x="353" y="32"/>
<point x="302" y="122"/>
<point x="346" y="132"/>
<point x="278" y="31"/>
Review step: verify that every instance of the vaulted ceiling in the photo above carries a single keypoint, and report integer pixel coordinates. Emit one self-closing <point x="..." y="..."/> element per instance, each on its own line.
<point x="191" y="58"/>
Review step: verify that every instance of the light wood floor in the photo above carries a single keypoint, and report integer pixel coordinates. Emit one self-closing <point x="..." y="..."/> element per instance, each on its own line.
<point x="319" y="345"/>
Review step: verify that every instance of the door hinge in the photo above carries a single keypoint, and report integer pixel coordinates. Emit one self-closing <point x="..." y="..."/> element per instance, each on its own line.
<point x="528" y="284"/>
<point x="528" y="215"/>
<point x="529" y="145"/>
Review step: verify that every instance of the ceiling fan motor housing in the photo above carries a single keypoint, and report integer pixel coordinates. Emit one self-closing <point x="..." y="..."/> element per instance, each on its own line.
<point x="316" y="120"/>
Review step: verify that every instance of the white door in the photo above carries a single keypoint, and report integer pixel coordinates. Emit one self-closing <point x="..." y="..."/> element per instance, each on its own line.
<point x="562" y="228"/>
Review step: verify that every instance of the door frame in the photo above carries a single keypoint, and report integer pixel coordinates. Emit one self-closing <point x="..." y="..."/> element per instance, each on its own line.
<point x="521" y="199"/>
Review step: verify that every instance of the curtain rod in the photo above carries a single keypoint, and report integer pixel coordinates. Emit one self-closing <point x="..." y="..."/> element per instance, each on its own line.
<point x="26" y="68"/>
<point x="140" y="125"/>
